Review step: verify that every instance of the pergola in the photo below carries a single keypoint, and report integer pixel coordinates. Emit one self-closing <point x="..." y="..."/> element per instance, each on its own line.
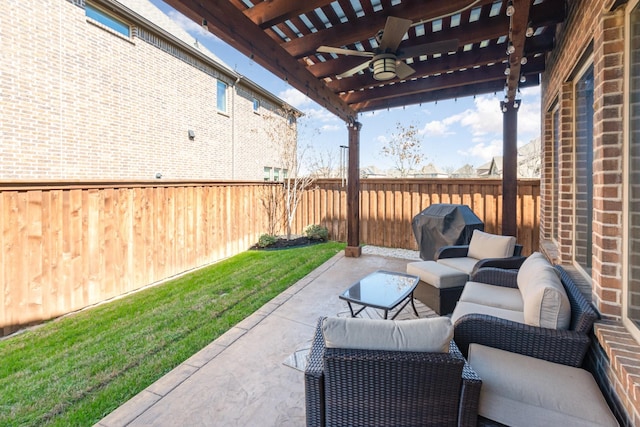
<point x="438" y="49"/>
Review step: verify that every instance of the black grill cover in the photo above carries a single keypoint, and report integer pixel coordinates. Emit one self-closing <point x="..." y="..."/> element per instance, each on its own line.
<point x="443" y="225"/>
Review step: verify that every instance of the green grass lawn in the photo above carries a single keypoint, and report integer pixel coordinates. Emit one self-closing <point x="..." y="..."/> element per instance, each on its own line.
<point x="76" y="370"/>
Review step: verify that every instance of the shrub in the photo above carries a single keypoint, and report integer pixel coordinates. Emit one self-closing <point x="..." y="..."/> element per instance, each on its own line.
<point x="266" y="240"/>
<point x="317" y="232"/>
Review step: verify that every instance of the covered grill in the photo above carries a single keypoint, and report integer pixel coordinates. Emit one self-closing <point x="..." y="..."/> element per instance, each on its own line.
<point x="442" y="225"/>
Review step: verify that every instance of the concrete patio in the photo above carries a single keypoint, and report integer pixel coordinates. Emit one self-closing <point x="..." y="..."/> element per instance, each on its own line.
<point x="240" y="378"/>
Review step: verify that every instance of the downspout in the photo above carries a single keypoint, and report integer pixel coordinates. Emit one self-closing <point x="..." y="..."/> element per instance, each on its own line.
<point x="233" y="128"/>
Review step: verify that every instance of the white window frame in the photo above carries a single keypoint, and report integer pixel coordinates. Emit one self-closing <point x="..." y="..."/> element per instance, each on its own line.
<point x="219" y="85"/>
<point x="105" y="25"/>
<point x="256" y="105"/>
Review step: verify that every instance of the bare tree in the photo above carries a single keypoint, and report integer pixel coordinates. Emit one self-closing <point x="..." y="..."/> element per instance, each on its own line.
<point x="271" y="200"/>
<point x="405" y="149"/>
<point x="284" y="139"/>
<point x="322" y="163"/>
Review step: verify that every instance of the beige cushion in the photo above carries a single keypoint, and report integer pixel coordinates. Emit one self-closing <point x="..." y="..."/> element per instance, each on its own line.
<point x="484" y="245"/>
<point x="431" y="335"/>
<point x="494" y="296"/>
<point x="519" y="390"/>
<point x="463" y="308"/>
<point x="464" y="264"/>
<point x="437" y="275"/>
<point x="545" y="301"/>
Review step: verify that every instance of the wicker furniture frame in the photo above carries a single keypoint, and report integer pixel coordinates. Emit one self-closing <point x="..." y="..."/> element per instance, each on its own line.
<point x="567" y="347"/>
<point x="389" y="388"/>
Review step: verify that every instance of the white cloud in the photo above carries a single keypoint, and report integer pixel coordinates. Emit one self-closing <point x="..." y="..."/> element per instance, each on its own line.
<point x="191" y="26"/>
<point x="330" y="128"/>
<point x="484" y="151"/>
<point x="295" y="97"/>
<point x="436" y="128"/>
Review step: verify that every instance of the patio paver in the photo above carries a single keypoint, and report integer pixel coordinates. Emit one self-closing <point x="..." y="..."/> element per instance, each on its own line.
<point x="240" y="379"/>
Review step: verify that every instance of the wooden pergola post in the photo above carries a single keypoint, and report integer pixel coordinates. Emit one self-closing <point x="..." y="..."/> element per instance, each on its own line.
<point x="509" y="167"/>
<point x="353" y="248"/>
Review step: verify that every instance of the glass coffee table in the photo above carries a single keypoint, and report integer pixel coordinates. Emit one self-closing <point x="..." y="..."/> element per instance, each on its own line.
<point x="384" y="290"/>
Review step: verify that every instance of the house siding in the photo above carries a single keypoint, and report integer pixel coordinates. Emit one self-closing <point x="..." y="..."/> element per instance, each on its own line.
<point x="593" y="32"/>
<point x="81" y="102"/>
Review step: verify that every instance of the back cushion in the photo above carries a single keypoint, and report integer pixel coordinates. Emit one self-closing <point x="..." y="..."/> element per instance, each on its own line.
<point x="544" y="299"/>
<point x="431" y="335"/>
<point x="484" y="245"/>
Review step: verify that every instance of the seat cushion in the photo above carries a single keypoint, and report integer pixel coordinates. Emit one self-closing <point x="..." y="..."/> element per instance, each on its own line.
<point x="520" y="390"/>
<point x="432" y="335"/>
<point x="437" y="275"/>
<point x="463" y="308"/>
<point x="545" y="300"/>
<point x="464" y="264"/>
<point x="484" y="245"/>
<point x="494" y="296"/>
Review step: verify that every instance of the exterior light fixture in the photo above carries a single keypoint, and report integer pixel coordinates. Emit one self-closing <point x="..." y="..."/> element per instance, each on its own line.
<point x="523" y="78"/>
<point x="507" y="71"/>
<point x="523" y="60"/>
<point x="204" y="24"/>
<point x="192" y="134"/>
<point x="510" y="9"/>
<point x="510" y="48"/>
<point x="384" y="66"/>
<point x="516" y="104"/>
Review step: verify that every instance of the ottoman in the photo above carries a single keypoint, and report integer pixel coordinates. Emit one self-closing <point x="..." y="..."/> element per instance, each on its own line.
<point x="440" y="286"/>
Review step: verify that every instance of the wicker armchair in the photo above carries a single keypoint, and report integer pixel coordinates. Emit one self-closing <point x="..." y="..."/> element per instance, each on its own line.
<point x="460" y="251"/>
<point x="389" y="388"/>
<point x="567" y="347"/>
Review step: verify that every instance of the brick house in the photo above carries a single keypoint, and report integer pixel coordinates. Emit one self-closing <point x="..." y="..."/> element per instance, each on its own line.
<point x="115" y="90"/>
<point x="591" y="178"/>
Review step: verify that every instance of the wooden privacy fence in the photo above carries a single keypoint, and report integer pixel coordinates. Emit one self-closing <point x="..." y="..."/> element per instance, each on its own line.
<point x="69" y="246"/>
<point x="387" y="207"/>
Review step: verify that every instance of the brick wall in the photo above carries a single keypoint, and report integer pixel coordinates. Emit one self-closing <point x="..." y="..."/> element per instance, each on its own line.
<point x="80" y="102"/>
<point x="593" y="33"/>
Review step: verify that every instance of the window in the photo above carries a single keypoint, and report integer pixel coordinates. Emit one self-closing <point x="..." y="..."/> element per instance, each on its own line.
<point x="276" y="174"/>
<point x="632" y="300"/>
<point x="556" y="175"/>
<point x="256" y="105"/>
<point x="267" y="173"/>
<point x="285" y="174"/>
<point x="109" y="21"/>
<point x="222" y="96"/>
<point x="583" y="167"/>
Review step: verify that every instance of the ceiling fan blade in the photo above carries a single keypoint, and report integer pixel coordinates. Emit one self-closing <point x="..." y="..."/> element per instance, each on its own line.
<point x="403" y="70"/>
<point x="354" y="70"/>
<point x="341" y="51"/>
<point x="394" y="31"/>
<point x="428" y="49"/>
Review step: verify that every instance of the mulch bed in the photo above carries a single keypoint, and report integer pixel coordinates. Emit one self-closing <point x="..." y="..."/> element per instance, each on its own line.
<point x="283" y="243"/>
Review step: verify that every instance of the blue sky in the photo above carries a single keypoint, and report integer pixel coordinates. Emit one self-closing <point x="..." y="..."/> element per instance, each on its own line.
<point x="454" y="132"/>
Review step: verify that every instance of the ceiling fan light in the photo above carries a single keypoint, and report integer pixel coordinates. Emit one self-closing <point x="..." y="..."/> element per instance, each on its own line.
<point x="384" y="67"/>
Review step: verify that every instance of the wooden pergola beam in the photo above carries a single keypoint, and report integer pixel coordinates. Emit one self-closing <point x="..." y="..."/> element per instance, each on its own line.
<point x="232" y="26"/>
<point x="268" y="13"/>
<point x="367" y="26"/>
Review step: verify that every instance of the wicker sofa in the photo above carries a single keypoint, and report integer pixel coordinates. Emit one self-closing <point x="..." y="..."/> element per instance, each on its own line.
<point x="363" y="387"/>
<point x="488" y="313"/>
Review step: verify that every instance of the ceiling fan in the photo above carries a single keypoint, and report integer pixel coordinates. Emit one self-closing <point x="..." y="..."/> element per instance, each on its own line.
<point x="387" y="60"/>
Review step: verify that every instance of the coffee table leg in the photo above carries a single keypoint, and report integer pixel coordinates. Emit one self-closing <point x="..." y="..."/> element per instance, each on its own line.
<point x="413" y="305"/>
<point x="351" y="309"/>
